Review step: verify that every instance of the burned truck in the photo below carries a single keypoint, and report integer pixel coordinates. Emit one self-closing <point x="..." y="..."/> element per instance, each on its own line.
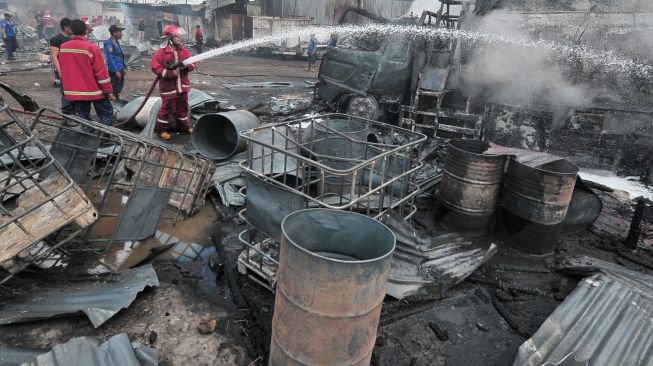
<point x="373" y="74"/>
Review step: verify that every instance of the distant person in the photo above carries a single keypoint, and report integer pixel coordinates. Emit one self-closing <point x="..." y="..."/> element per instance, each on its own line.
<point x="55" y="47"/>
<point x="89" y="30"/>
<point x="199" y="38"/>
<point x="85" y="77"/>
<point x="9" y="36"/>
<point x="141" y="30"/>
<point x="174" y="83"/>
<point x="311" y="52"/>
<point x="39" y="25"/>
<point x="48" y="24"/>
<point x="115" y="59"/>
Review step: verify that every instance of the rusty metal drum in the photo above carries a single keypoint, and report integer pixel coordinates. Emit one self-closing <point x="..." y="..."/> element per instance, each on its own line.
<point x="534" y="204"/>
<point x="330" y="288"/>
<point x="470" y="186"/>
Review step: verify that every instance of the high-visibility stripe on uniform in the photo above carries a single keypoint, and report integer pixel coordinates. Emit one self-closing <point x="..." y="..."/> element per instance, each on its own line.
<point x="74" y="50"/>
<point x="185" y="86"/>
<point x="68" y="92"/>
<point x="170" y="92"/>
<point x="176" y="55"/>
<point x="104" y="81"/>
<point x="161" y="121"/>
<point x="182" y="119"/>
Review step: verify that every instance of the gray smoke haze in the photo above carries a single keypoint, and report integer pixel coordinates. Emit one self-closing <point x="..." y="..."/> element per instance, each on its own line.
<point x="516" y="75"/>
<point x="69" y="7"/>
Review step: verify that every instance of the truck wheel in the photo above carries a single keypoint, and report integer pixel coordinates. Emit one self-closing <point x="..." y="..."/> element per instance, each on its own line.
<point x="364" y="107"/>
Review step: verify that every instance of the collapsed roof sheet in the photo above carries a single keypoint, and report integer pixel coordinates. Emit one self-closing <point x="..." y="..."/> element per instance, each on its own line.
<point x="606" y="320"/>
<point x="117" y="351"/>
<point x="438" y="262"/>
<point x="99" y="299"/>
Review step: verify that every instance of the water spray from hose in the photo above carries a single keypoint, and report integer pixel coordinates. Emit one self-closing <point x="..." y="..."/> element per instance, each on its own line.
<point x="607" y="60"/>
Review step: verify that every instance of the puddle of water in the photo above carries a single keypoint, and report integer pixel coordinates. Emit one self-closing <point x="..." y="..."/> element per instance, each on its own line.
<point x="185" y="241"/>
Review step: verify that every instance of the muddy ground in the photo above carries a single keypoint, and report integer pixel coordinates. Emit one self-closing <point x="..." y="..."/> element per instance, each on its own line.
<point x="481" y="321"/>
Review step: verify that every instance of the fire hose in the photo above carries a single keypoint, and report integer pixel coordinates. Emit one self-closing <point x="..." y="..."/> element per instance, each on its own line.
<point x="140" y="107"/>
<point x="148" y="94"/>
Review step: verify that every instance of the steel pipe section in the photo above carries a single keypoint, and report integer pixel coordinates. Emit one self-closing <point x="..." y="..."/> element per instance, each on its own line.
<point x="470" y="186"/>
<point x="330" y="287"/>
<point x="534" y="204"/>
<point x="217" y="135"/>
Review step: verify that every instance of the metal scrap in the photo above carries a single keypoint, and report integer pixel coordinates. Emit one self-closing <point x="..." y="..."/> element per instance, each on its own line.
<point x="86" y="351"/>
<point x="606" y="320"/>
<point x="228" y="180"/>
<point x="24" y="100"/>
<point x="438" y="262"/>
<point x="255" y="85"/>
<point x="99" y="299"/>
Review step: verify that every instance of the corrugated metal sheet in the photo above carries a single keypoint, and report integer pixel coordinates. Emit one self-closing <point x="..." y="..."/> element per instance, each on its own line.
<point x="10" y="356"/>
<point x="99" y="299"/>
<point x="606" y="320"/>
<point x="438" y="262"/>
<point x="85" y="351"/>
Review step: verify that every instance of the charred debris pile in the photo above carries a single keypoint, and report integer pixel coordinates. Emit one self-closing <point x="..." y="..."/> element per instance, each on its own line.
<point x="376" y="243"/>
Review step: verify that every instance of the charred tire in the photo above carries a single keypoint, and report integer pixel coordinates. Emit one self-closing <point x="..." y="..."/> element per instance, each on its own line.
<point x="364" y="107"/>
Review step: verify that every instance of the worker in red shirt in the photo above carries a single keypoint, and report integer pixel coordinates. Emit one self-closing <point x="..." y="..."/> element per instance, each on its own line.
<point x="85" y="77"/>
<point x="199" y="38"/>
<point x="174" y="83"/>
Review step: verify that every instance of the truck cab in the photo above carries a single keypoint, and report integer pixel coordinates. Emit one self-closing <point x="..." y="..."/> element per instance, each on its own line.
<point x="367" y="75"/>
<point x="376" y="74"/>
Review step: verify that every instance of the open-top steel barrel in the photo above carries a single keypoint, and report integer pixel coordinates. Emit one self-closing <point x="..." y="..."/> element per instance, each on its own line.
<point x="331" y="282"/>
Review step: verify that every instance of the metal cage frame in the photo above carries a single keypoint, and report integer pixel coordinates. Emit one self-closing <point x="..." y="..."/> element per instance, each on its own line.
<point x="105" y="159"/>
<point x="272" y="149"/>
<point x="376" y="180"/>
<point x="34" y="177"/>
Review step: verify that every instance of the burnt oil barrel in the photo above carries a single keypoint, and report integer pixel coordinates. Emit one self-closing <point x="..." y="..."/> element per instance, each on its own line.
<point x="534" y="205"/>
<point x="470" y="187"/>
<point x="330" y="288"/>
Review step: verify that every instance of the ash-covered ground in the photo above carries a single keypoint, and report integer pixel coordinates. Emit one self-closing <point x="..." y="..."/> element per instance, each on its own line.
<point x="481" y="321"/>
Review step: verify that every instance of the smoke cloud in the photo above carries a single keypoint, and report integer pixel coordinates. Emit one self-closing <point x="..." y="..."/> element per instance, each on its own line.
<point x="517" y="75"/>
<point x="69" y="7"/>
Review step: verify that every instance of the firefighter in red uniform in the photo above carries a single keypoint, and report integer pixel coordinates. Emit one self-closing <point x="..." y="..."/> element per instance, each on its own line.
<point x="85" y="77"/>
<point x="174" y="83"/>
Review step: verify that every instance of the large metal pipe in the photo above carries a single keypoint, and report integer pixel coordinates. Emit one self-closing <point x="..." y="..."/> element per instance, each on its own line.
<point x="330" y="287"/>
<point x="534" y="205"/>
<point x="216" y="135"/>
<point x="470" y="186"/>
